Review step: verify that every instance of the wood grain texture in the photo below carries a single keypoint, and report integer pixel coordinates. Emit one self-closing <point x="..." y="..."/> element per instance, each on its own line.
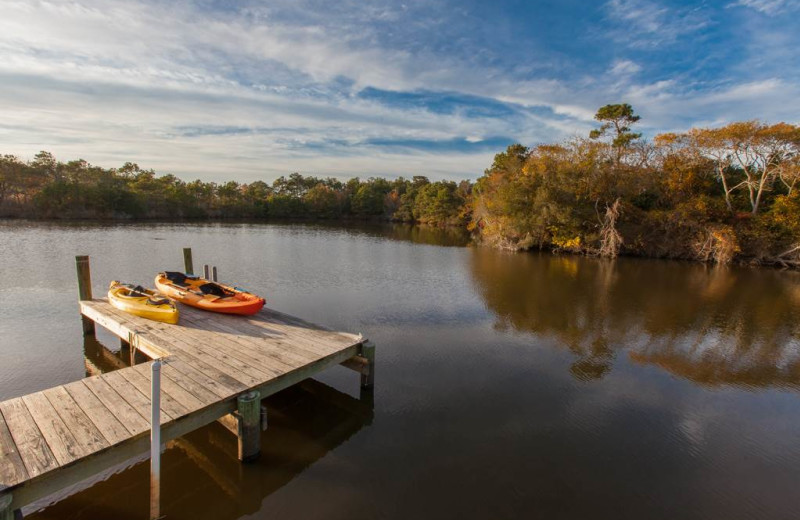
<point x="12" y="469"/>
<point x="122" y="400"/>
<point x="86" y="434"/>
<point x="32" y="447"/>
<point x="103" y="419"/>
<point x="75" y="430"/>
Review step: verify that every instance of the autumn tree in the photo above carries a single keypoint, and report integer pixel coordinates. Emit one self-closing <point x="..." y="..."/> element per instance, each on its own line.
<point x="760" y="150"/>
<point x="789" y="173"/>
<point x="10" y="176"/>
<point x="748" y="155"/>
<point x="617" y="118"/>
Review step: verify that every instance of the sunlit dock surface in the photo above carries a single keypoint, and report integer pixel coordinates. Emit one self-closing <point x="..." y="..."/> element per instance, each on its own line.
<point x="63" y="435"/>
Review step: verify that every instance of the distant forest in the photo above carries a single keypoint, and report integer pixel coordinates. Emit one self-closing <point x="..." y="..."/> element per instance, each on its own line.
<point x="709" y="194"/>
<point x="45" y="188"/>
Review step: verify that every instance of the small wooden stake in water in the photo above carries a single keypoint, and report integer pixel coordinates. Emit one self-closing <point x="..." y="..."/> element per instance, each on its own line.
<point x="188" y="268"/>
<point x="214" y="273"/>
<point x="206" y="274"/>
<point x="155" y="441"/>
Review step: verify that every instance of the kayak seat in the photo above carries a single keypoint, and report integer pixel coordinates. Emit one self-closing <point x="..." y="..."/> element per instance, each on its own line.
<point x="214" y="290"/>
<point x="177" y="278"/>
<point x="151" y="300"/>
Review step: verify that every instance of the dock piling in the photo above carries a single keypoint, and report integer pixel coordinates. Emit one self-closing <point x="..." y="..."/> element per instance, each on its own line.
<point x="206" y="274"/>
<point x="6" y="513"/>
<point x="85" y="290"/>
<point x="367" y="351"/>
<point x="249" y="412"/>
<point x="187" y="260"/>
<point x="214" y="274"/>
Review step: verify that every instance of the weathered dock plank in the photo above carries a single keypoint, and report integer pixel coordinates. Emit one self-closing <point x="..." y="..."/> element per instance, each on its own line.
<point x="13" y="469"/>
<point x="102" y="418"/>
<point x="54" y="438"/>
<point x="87" y="436"/>
<point x="31" y="446"/>
<point x="61" y="441"/>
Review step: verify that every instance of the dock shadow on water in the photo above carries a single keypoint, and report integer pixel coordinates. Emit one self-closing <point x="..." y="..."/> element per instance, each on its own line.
<point x="711" y="325"/>
<point x="202" y="476"/>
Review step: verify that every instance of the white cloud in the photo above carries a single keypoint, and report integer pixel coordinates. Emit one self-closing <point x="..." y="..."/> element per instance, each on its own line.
<point x="115" y="79"/>
<point x="669" y="106"/>
<point x="269" y="93"/>
<point x="770" y="7"/>
<point x="648" y="24"/>
<point x="624" y="68"/>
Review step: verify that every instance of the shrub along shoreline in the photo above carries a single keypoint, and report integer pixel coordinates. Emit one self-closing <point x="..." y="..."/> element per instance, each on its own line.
<point x="720" y="195"/>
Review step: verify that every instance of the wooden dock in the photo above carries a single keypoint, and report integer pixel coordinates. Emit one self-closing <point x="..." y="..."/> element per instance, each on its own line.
<point x="213" y="363"/>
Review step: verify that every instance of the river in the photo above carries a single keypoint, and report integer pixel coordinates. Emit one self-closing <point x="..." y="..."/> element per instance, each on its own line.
<point x="508" y="385"/>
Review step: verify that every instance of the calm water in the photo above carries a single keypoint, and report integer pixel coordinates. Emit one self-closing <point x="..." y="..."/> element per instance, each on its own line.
<point x="508" y="386"/>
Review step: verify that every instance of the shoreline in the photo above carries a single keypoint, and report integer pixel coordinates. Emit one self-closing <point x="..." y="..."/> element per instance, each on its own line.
<point x="471" y="238"/>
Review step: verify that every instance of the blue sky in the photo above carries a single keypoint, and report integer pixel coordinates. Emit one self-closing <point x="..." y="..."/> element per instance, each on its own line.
<point x="253" y="90"/>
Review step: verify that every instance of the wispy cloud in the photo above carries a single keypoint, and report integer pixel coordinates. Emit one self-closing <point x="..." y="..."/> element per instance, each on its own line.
<point x="648" y="23"/>
<point x="624" y="68"/>
<point x="770" y="7"/>
<point x="252" y="89"/>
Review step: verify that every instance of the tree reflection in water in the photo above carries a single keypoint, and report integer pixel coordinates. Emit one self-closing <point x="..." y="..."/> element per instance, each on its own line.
<point x="710" y="325"/>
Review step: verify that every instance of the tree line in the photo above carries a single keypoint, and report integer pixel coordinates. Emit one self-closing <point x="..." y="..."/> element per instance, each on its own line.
<point x="47" y="188"/>
<point x="709" y="194"/>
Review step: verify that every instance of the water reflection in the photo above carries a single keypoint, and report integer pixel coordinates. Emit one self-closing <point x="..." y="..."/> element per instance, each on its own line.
<point x="712" y="326"/>
<point x="416" y="234"/>
<point x="201" y="474"/>
<point x="98" y="359"/>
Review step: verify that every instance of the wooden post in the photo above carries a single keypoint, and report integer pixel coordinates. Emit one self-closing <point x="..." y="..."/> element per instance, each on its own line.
<point x="205" y="272"/>
<point x="187" y="260"/>
<point x="124" y="350"/>
<point x="367" y="351"/>
<point x="249" y="411"/>
<point x="214" y="274"/>
<point x="6" y="513"/>
<point x="85" y="290"/>
<point x="137" y="356"/>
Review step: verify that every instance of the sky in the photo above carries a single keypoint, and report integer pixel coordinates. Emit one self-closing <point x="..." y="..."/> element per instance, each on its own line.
<point x="251" y="90"/>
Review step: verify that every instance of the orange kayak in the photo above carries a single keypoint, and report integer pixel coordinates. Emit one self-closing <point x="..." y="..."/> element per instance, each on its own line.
<point x="207" y="295"/>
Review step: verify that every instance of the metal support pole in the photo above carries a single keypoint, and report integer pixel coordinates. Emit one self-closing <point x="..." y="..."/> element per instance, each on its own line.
<point x="206" y="274"/>
<point x="85" y="290"/>
<point x="155" y="440"/>
<point x="188" y="268"/>
<point x="214" y="273"/>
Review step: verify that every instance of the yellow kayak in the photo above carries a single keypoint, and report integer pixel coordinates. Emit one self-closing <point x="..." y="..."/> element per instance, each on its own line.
<point x="142" y="302"/>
